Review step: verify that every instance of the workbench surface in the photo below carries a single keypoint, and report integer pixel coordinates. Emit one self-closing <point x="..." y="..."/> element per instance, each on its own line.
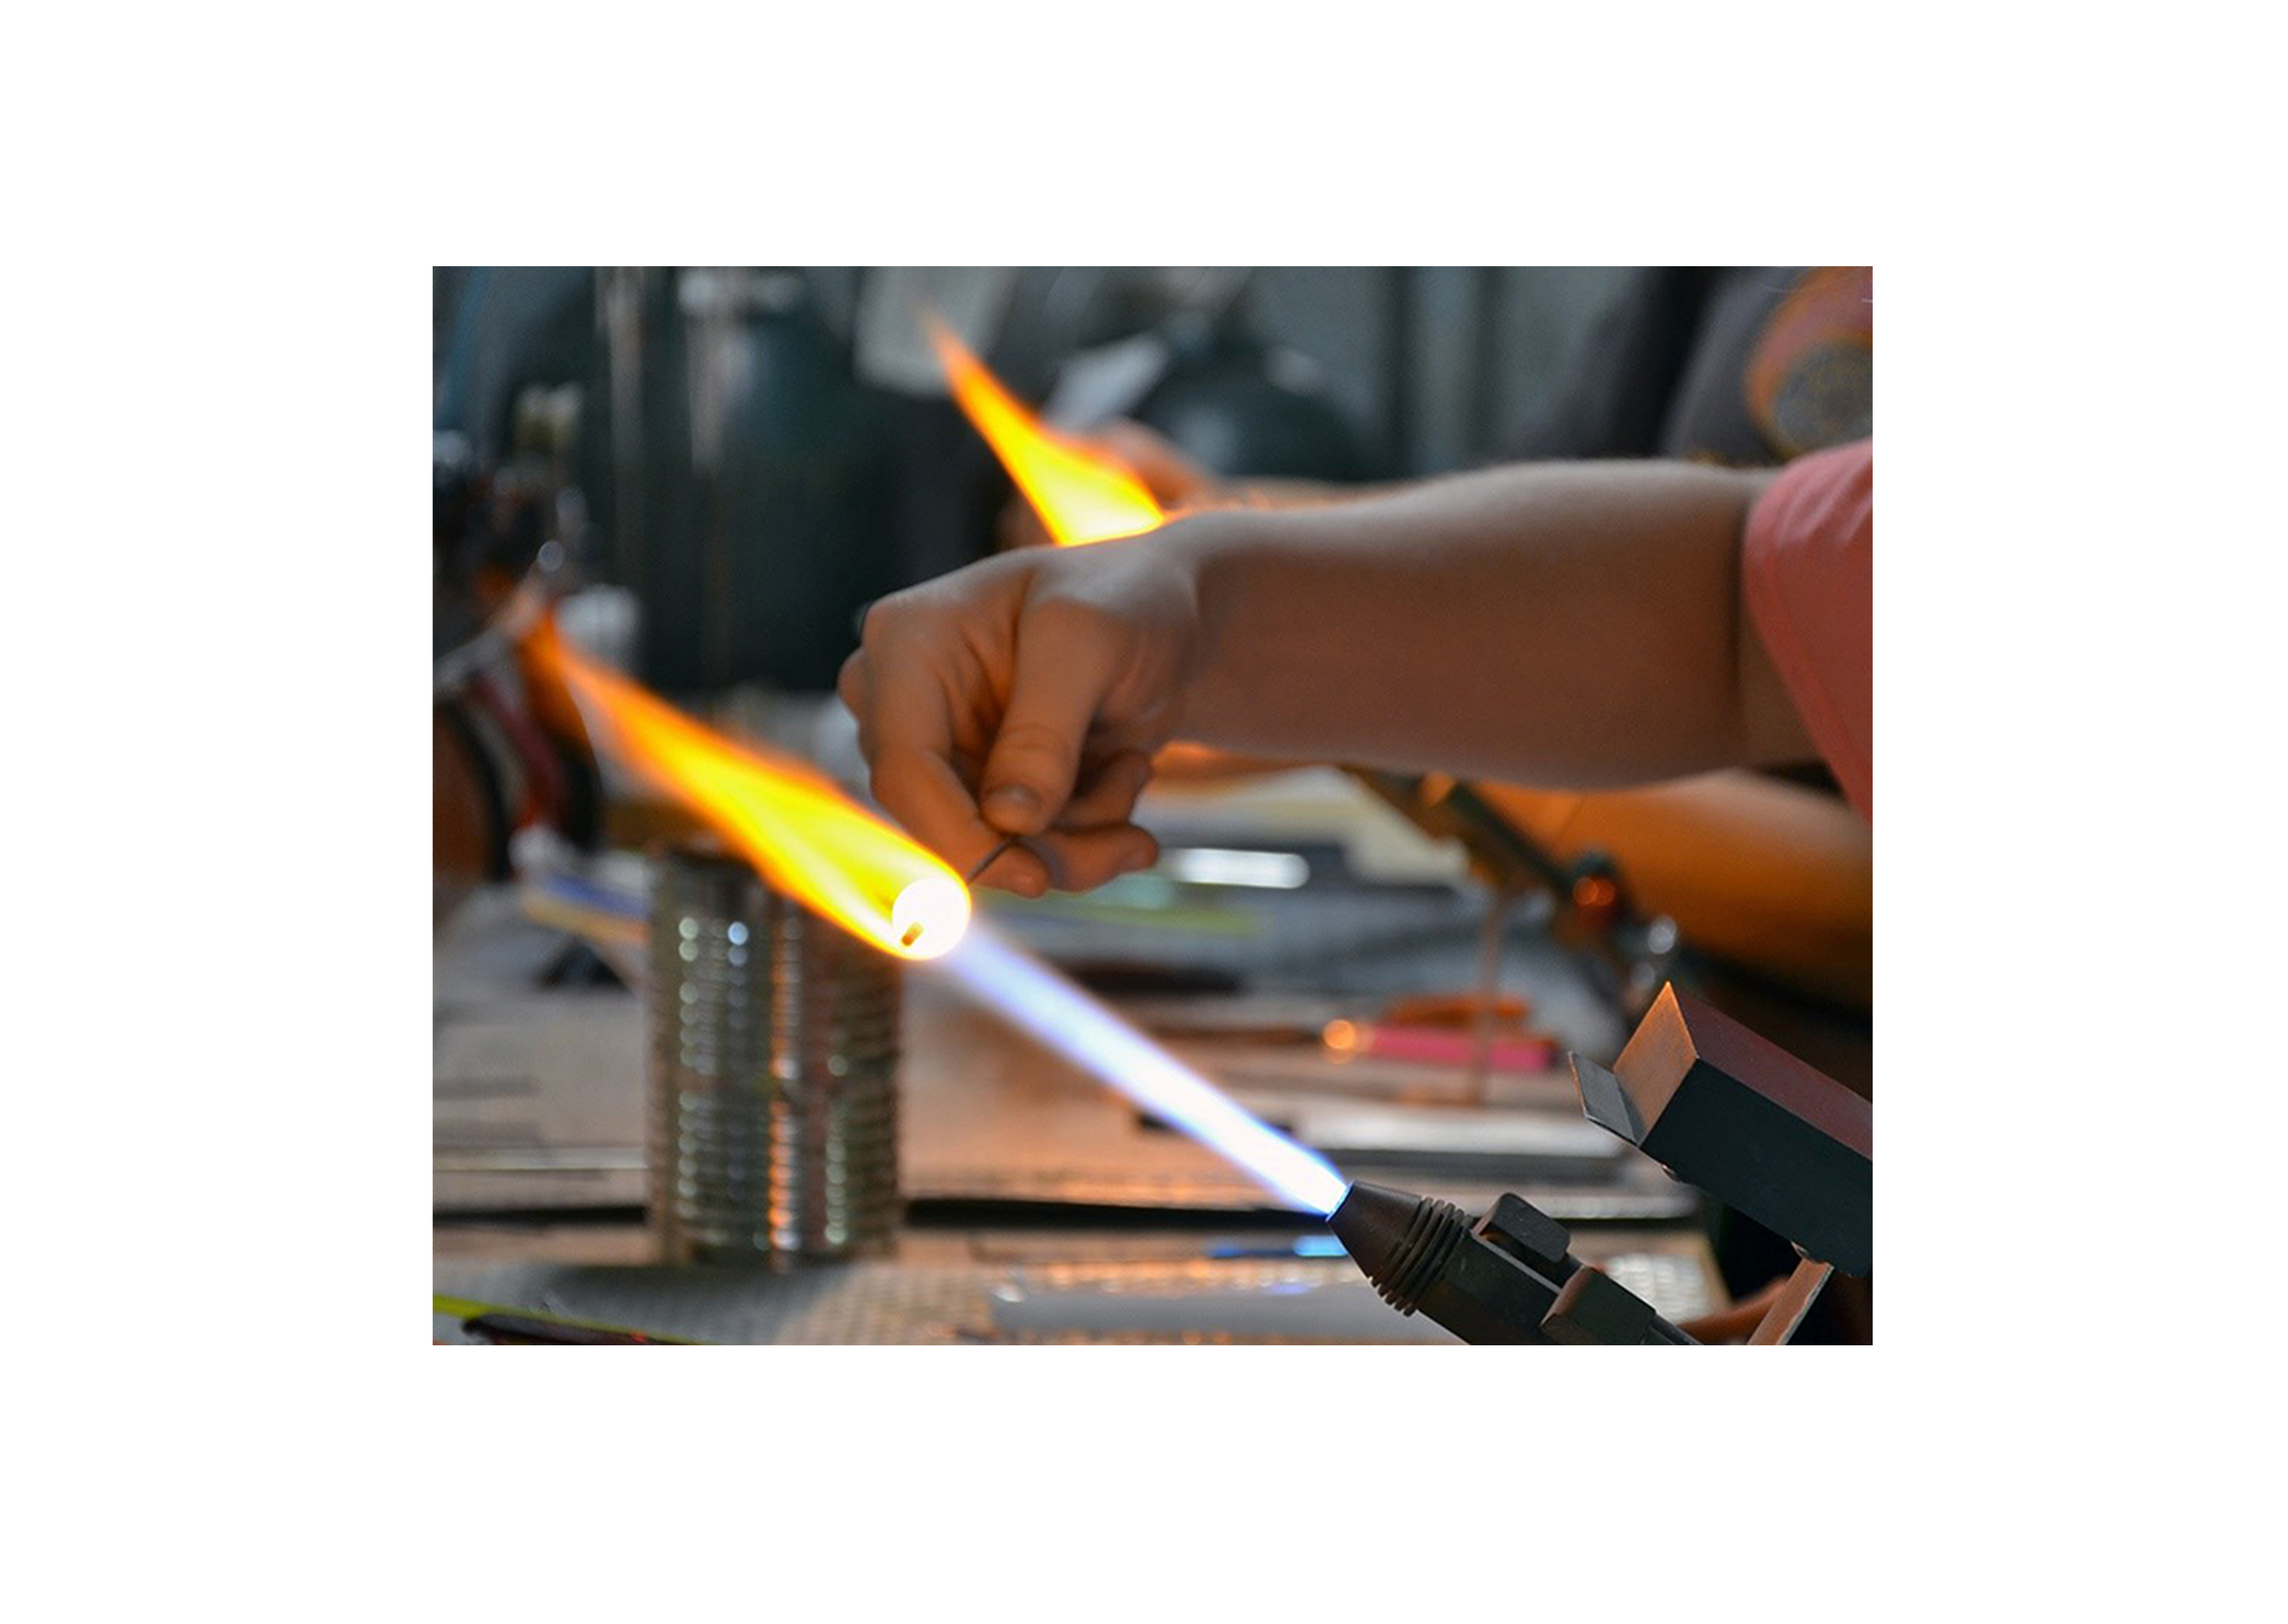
<point x="1042" y="1206"/>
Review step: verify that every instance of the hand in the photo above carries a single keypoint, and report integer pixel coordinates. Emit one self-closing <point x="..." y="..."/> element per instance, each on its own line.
<point x="1025" y="696"/>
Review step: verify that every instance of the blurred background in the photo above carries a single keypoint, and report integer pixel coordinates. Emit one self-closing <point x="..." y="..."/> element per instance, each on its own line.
<point x="751" y="448"/>
<point x="705" y="473"/>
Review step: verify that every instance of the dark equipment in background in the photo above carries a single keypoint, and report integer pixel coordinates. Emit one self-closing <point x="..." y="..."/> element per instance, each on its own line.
<point x="1717" y="1106"/>
<point x="1243" y="406"/>
<point x="500" y="530"/>
<point x="744" y="472"/>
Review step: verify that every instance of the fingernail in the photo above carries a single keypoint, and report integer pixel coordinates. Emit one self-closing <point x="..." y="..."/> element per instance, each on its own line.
<point x="1014" y="802"/>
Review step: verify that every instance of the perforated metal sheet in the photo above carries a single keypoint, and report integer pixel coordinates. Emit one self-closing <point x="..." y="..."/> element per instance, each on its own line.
<point x="1155" y="1301"/>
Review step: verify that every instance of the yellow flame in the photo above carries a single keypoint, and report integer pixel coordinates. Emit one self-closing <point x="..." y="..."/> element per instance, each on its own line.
<point x="807" y="837"/>
<point x="1082" y="496"/>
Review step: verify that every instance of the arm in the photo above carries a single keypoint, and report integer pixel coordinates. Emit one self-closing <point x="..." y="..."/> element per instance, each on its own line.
<point x="1571" y="624"/>
<point x="1766" y="874"/>
<point x="1578" y="625"/>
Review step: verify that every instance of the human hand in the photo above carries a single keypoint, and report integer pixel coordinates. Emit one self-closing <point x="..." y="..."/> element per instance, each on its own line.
<point x="1025" y="696"/>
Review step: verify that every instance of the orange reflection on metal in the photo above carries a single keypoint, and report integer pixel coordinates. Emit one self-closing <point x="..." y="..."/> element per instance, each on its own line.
<point x="1082" y="496"/>
<point x="1594" y="892"/>
<point x="806" y="836"/>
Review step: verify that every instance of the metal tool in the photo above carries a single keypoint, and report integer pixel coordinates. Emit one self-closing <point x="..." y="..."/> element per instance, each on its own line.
<point x="1627" y="955"/>
<point x="991" y="858"/>
<point x="1509" y="1277"/>
<point x="1748" y="1123"/>
<point x="1719" y="1107"/>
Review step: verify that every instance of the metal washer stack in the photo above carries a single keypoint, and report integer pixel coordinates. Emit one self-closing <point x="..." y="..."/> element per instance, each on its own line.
<point x="773" y="1039"/>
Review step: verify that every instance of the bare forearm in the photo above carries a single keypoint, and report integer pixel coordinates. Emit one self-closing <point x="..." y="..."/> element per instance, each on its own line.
<point x="1563" y="624"/>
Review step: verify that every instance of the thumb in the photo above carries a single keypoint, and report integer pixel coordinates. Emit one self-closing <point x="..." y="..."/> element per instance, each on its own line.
<point x="1065" y="667"/>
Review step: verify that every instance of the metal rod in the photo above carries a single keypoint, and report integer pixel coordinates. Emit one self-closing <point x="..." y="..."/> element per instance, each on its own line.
<point x="1781" y="1321"/>
<point x="991" y="858"/>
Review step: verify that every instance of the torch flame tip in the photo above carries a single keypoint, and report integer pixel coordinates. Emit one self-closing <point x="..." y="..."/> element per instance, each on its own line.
<point x="1081" y="495"/>
<point x="793" y="823"/>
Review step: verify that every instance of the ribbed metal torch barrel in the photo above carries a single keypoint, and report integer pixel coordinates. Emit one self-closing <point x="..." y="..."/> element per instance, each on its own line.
<point x="1400" y="1241"/>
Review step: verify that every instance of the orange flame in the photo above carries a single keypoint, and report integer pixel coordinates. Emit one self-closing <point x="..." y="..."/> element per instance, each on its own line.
<point x="1082" y="496"/>
<point x="807" y="837"/>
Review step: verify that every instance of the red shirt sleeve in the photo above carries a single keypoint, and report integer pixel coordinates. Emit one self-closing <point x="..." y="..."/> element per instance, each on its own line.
<point x="1808" y="570"/>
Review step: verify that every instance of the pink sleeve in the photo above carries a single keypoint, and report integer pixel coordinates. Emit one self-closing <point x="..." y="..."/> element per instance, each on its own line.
<point x="1808" y="569"/>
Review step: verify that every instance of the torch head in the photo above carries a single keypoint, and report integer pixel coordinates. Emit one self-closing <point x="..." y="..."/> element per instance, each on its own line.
<point x="1399" y="1241"/>
<point x="1507" y="1278"/>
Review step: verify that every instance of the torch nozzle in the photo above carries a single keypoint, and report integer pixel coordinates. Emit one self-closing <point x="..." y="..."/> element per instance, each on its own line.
<point x="1399" y="1241"/>
<point x="1508" y="1277"/>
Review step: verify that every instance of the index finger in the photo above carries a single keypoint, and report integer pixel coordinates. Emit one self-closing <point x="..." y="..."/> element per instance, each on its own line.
<point x="910" y="757"/>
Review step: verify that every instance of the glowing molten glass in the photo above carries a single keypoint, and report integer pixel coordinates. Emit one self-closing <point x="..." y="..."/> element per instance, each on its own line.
<point x="807" y="837"/>
<point x="1082" y="496"/>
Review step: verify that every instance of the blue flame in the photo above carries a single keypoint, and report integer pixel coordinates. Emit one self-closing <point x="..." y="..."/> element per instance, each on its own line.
<point x="1037" y="1000"/>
